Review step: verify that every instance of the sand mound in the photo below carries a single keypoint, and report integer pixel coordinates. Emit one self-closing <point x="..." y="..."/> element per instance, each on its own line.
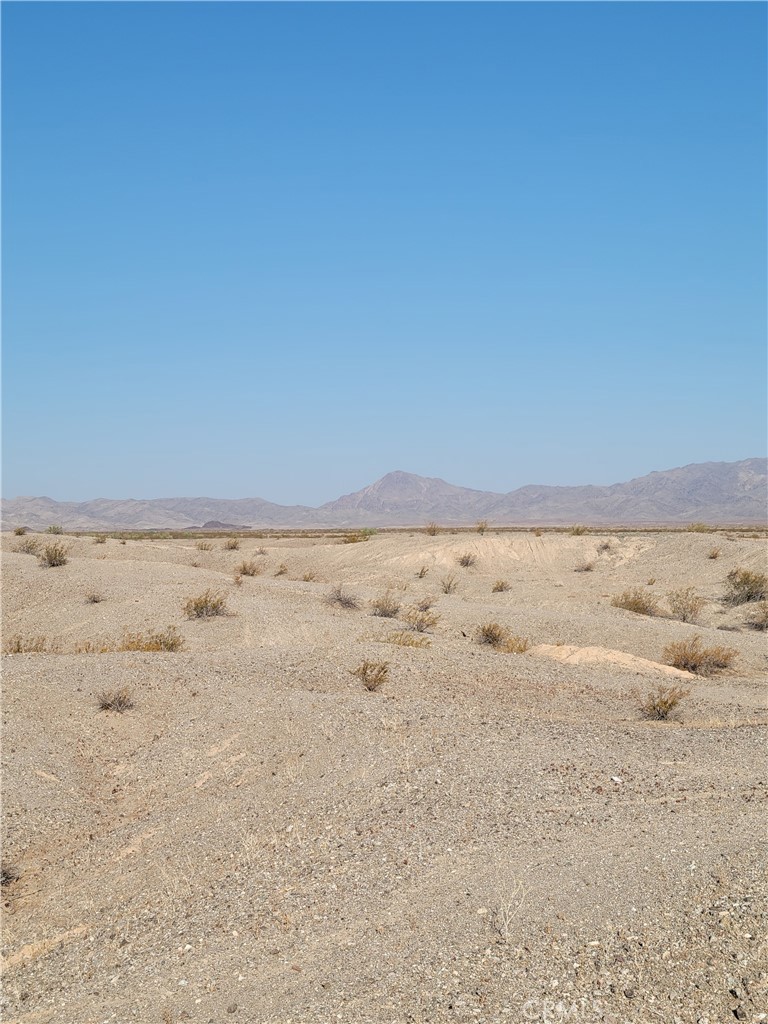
<point x="605" y="656"/>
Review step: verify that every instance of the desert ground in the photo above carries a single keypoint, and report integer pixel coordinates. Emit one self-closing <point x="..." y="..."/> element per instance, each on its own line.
<point x="486" y="836"/>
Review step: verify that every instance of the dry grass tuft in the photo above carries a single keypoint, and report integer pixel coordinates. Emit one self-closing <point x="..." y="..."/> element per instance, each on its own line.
<point x="422" y="572"/>
<point x="759" y="617"/>
<point x="206" y="606"/>
<point x="467" y="559"/>
<point x="248" y="568"/>
<point x="231" y="544"/>
<point x="29" y="546"/>
<point x="9" y="874"/>
<point x="685" y="604"/>
<point x="637" y="601"/>
<point x="93" y="597"/>
<point x="449" y="584"/>
<point x="386" y="606"/>
<point x="420" y="620"/>
<point x="309" y="576"/>
<point x="18" y="644"/>
<point x="515" y="644"/>
<point x="91" y="647"/>
<point x="53" y="555"/>
<point x="281" y="570"/>
<point x="115" y="700"/>
<point x="165" y="640"/>
<point x="499" y="587"/>
<point x="373" y="674"/>
<point x="692" y="656"/>
<point x="204" y="545"/>
<point x="661" y="702"/>
<point x="744" y="586"/>
<point x="584" y="567"/>
<point x="432" y="529"/>
<point x="481" y="526"/>
<point x="500" y="638"/>
<point x="405" y="639"/>
<point x="713" y="553"/>
<point x="577" y="531"/>
<point x="341" y="597"/>
<point x="100" y="539"/>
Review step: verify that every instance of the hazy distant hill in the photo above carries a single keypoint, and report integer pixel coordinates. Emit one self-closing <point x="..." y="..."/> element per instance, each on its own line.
<point x="718" y="492"/>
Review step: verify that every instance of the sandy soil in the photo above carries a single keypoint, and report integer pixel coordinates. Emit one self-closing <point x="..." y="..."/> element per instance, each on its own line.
<point x="488" y="837"/>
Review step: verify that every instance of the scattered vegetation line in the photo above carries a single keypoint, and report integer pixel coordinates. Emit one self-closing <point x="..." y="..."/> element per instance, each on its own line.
<point x="405" y="639"/>
<point x="206" y="606"/>
<point x="692" y="656"/>
<point x="339" y="596"/>
<point x="372" y="673"/>
<point x="53" y="555"/>
<point x="386" y="606"/>
<point x="661" y="702"/>
<point x="18" y="644"/>
<point x="163" y="640"/>
<point x="115" y="700"/>
<point x="743" y="586"/>
<point x="638" y="601"/>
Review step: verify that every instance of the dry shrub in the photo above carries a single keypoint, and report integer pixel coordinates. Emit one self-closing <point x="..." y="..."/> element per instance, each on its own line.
<point x="577" y="531"/>
<point x="661" y="702"/>
<point x="53" y="555"/>
<point x="422" y="572"/>
<point x="29" y="546"/>
<point x="713" y="553"/>
<point x="692" y="656"/>
<point x="759" y="617"/>
<point x="19" y="531"/>
<point x="93" y="597"/>
<point x="18" y="644"/>
<point x="248" y="568"/>
<point x="467" y="559"/>
<point x="100" y="539"/>
<point x="744" y="586"/>
<point x="420" y="620"/>
<point x="237" y="579"/>
<point x="115" y="700"/>
<point x="358" y="537"/>
<point x="425" y="603"/>
<point x="282" y="569"/>
<point x="206" y="606"/>
<point x="501" y="639"/>
<point x="636" y="600"/>
<point x="164" y="640"/>
<point x="584" y="567"/>
<point x="309" y="576"/>
<point x="341" y="597"/>
<point x="481" y="526"/>
<point x="685" y="604"/>
<point x="204" y="545"/>
<point x="91" y="647"/>
<point x="604" y="546"/>
<point x="372" y="673"/>
<point x="432" y="529"/>
<point x="449" y="584"/>
<point x="231" y="544"/>
<point x="405" y="639"/>
<point x="537" y="532"/>
<point x="699" y="528"/>
<point x="55" y="529"/>
<point x="499" y="587"/>
<point x="386" y="606"/>
<point x="9" y="874"/>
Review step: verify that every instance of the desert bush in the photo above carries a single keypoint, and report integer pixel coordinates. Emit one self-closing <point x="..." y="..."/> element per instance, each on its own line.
<point x="19" y="531"/>
<point x="206" y="606"/>
<point x="386" y="606"/>
<point x="115" y="700"/>
<point x="260" y="551"/>
<point x="685" y="604"/>
<point x="537" y="532"/>
<point x="425" y="603"/>
<point x="93" y="597"/>
<point x="692" y="656"/>
<point x="405" y="639"/>
<point x="422" y="572"/>
<point x="372" y="673"/>
<point x="636" y="600"/>
<point x="99" y="539"/>
<point x="490" y="633"/>
<point x="92" y="647"/>
<point x="420" y="620"/>
<point x="18" y="644"/>
<point x="204" y="545"/>
<point x="481" y="526"/>
<point x="699" y="528"/>
<point x="759" y="617"/>
<point x="604" y="546"/>
<point x="467" y="559"/>
<point x="164" y="640"/>
<point x="55" y="529"/>
<point x="248" y="568"/>
<point x="432" y="529"/>
<point x="713" y="553"/>
<point x="743" y="586"/>
<point x="281" y="570"/>
<point x="359" y="536"/>
<point x="53" y="555"/>
<point x="577" y="531"/>
<point x="449" y="584"/>
<point x="309" y="576"/>
<point x="231" y="544"/>
<point x="9" y="874"/>
<point x="339" y="596"/>
<point x="29" y="546"/>
<point x="661" y="702"/>
<point x="584" y="567"/>
<point x="515" y="644"/>
<point x="499" y="587"/>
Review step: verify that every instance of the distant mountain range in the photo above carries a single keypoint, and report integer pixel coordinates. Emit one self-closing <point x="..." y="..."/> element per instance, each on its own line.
<point x="715" y="492"/>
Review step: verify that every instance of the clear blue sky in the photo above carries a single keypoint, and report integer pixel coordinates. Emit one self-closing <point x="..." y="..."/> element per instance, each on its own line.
<point x="278" y="250"/>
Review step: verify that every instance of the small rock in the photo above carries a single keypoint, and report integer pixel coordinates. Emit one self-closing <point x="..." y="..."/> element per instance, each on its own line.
<point x="740" y="1013"/>
<point x="232" y="1008"/>
<point x="629" y="993"/>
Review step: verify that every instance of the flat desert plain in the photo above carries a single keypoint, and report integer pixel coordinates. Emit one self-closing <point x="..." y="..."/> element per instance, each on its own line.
<point x="486" y="836"/>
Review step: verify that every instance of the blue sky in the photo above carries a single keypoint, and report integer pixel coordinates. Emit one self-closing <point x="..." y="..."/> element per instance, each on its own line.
<point x="278" y="250"/>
